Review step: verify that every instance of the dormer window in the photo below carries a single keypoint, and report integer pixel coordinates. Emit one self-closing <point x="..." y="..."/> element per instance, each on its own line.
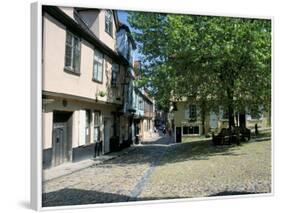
<point x="109" y="22"/>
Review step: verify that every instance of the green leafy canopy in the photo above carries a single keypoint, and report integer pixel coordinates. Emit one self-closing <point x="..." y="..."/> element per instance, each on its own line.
<point x="221" y="61"/>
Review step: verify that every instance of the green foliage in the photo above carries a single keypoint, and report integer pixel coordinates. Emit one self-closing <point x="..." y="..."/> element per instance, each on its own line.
<point x="102" y="93"/>
<point x="222" y="61"/>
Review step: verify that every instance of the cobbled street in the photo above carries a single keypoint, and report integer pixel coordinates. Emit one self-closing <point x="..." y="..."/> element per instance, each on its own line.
<point x="160" y="170"/>
<point x="118" y="180"/>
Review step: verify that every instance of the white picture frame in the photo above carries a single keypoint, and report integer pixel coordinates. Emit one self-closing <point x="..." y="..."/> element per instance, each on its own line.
<point x="36" y="118"/>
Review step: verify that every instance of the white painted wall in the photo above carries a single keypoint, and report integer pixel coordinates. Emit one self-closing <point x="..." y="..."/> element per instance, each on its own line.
<point x="68" y="11"/>
<point x="47" y="129"/>
<point x="55" y="79"/>
<point x="75" y="129"/>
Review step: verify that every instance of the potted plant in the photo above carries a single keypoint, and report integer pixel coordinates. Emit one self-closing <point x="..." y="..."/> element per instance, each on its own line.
<point x="102" y="93"/>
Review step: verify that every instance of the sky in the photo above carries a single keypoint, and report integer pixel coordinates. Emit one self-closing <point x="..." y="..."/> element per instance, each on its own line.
<point x="123" y="15"/>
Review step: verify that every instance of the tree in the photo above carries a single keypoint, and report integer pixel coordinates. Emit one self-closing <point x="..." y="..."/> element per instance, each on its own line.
<point x="222" y="61"/>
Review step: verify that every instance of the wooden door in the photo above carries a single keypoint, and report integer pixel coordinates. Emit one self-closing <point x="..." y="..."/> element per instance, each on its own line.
<point x="62" y="137"/>
<point x="178" y="134"/>
<point x="60" y="143"/>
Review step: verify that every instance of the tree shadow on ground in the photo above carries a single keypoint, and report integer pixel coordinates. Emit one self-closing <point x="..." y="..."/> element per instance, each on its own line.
<point x="227" y="193"/>
<point x="143" y="154"/>
<point x="198" y="150"/>
<point x="151" y="152"/>
<point x="70" y="196"/>
<point x="223" y="193"/>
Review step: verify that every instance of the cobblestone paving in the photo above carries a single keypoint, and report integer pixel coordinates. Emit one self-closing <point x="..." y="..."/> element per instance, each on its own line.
<point x="198" y="169"/>
<point x="160" y="171"/>
<point x="117" y="180"/>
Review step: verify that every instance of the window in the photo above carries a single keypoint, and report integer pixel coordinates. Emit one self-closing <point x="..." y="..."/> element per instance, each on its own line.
<point x="108" y="22"/>
<point x="196" y="130"/>
<point x="141" y="103"/>
<point x="225" y="114"/>
<point x="88" y="126"/>
<point x="115" y="71"/>
<point x="190" y="130"/>
<point x="185" y="130"/>
<point x="255" y="116"/>
<point x="192" y="112"/>
<point x="97" y="121"/>
<point x="135" y="100"/>
<point x="98" y="66"/>
<point x="72" y="53"/>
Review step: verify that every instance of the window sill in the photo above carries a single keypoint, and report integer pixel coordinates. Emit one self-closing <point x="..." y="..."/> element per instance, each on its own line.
<point x="97" y="81"/>
<point x="224" y="119"/>
<point x="190" y="135"/>
<point x="71" y="71"/>
<point x="192" y="120"/>
<point x="254" y="119"/>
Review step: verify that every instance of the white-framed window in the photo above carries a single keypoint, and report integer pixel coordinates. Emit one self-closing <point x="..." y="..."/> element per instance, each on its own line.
<point x="190" y="130"/>
<point x="115" y="72"/>
<point x="109" y="22"/>
<point x="98" y="66"/>
<point x="192" y="112"/>
<point x="256" y="115"/>
<point x="225" y="114"/>
<point x="72" y="53"/>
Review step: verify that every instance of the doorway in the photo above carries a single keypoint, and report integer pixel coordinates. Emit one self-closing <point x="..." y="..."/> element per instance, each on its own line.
<point x="178" y="134"/>
<point x="62" y="137"/>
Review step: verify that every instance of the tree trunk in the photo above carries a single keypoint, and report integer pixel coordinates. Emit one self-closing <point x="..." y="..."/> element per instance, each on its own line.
<point x="236" y="119"/>
<point x="230" y="116"/>
<point x="229" y="91"/>
<point x="203" y="115"/>
<point x="242" y="119"/>
<point x="203" y="125"/>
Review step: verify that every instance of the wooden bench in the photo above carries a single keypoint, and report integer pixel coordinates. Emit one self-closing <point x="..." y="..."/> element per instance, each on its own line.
<point x="226" y="136"/>
<point x="245" y="133"/>
<point x="235" y="135"/>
